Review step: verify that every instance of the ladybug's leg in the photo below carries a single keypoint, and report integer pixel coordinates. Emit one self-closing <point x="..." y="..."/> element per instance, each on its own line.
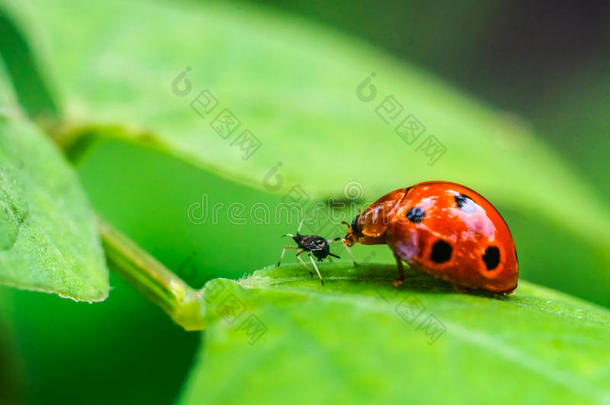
<point x="315" y="267"/>
<point x="401" y="271"/>
<point x="283" y="252"/>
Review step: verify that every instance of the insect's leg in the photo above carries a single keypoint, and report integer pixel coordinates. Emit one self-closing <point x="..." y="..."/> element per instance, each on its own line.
<point x="315" y="267"/>
<point x="301" y="224"/>
<point x="302" y="262"/>
<point x="283" y="252"/>
<point x="299" y="258"/>
<point x="401" y="271"/>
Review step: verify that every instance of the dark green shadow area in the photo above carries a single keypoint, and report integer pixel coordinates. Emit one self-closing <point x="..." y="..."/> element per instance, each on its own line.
<point x="30" y="86"/>
<point x="120" y="351"/>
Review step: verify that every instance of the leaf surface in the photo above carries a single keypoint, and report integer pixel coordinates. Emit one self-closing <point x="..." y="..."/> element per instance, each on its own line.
<point x="48" y="233"/>
<point x="360" y="340"/>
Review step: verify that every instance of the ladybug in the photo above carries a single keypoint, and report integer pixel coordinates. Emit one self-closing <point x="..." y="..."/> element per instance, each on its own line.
<point x="445" y="229"/>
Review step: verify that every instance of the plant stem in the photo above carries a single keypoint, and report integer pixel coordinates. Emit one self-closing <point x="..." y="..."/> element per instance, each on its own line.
<point x="165" y="289"/>
<point x="157" y="283"/>
<point x="76" y="141"/>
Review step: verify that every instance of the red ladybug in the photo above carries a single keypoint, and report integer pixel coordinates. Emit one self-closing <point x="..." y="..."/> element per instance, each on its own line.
<point x="444" y="229"/>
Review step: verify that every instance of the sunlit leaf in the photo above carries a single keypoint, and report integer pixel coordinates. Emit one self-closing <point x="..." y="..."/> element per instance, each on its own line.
<point x="280" y="337"/>
<point x="48" y="233"/>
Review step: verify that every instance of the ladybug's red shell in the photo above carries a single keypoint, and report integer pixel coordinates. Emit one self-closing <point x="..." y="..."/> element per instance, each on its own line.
<point x="444" y="229"/>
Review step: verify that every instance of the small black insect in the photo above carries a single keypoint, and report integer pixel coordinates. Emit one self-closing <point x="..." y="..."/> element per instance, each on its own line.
<point x="312" y="245"/>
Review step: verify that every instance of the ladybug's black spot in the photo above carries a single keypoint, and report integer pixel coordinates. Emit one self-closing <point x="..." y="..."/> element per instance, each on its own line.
<point x="491" y="257"/>
<point x="465" y="203"/>
<point x="416" y="215"/>
<point x="441" y="251"/>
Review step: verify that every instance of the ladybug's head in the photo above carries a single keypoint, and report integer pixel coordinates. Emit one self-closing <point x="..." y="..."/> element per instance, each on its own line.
<point x="353" y="232"/>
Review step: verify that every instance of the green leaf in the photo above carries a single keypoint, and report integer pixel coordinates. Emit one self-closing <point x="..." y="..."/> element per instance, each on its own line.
<point x="295" y="87"/>
<point x="279" y="337"/>
<point x="48" y="232"/>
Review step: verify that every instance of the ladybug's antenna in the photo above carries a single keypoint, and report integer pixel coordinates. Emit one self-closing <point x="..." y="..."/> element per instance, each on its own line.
<point x="349" y="226"/>
<point x="349" y="239"/>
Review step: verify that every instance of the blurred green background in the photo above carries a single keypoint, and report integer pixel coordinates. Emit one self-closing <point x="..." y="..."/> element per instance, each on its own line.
<point x="548" y="64"/>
